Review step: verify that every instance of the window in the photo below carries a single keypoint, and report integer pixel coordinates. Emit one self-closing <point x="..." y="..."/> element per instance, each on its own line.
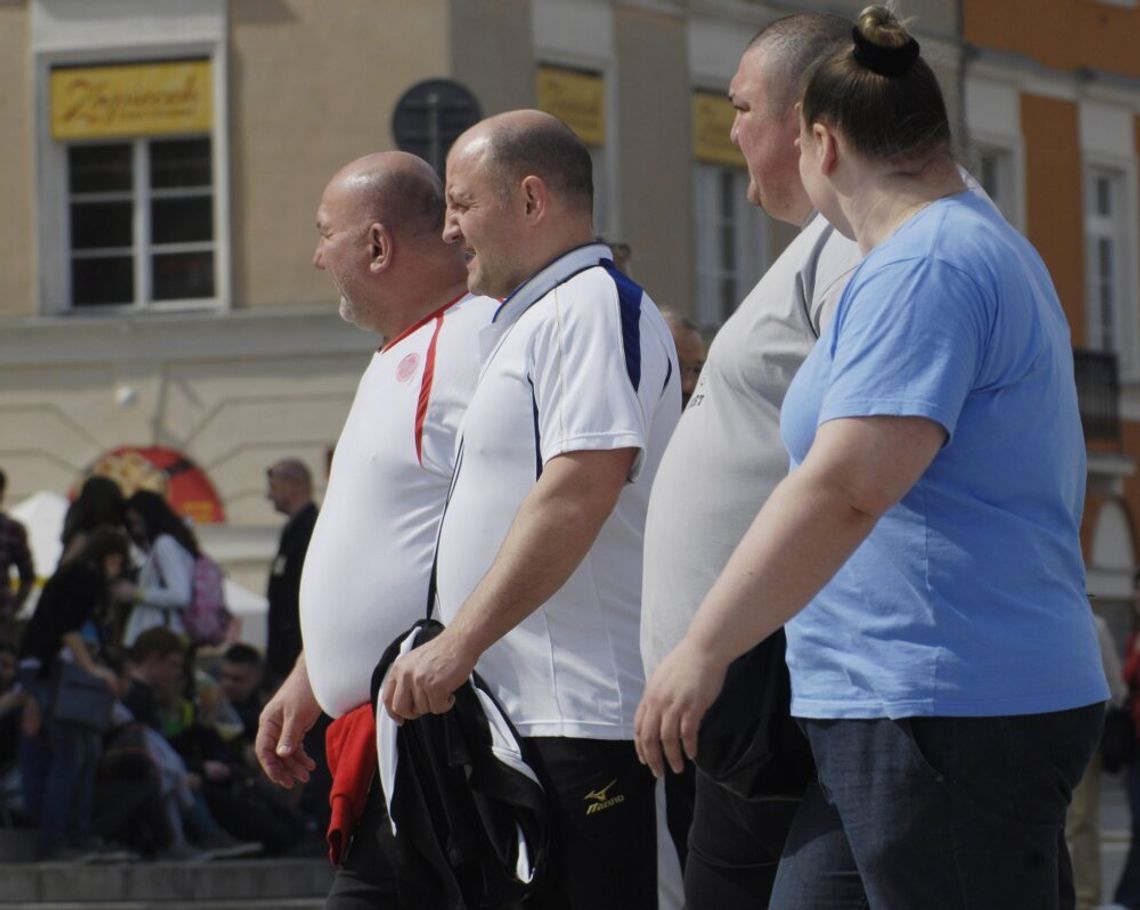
<point x="995" y="174"/>
<point x="141" y="221"/>
<point x="1105" y="245"/>
<point x="729" y="239"/>
<point x="135" y="194"/>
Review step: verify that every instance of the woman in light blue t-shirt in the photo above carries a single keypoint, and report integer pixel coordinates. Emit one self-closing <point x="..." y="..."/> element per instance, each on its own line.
<point x="924" y="551"/>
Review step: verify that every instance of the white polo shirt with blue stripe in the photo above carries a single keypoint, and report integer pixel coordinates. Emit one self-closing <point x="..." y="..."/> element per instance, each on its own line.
<point x="578" y="359"/>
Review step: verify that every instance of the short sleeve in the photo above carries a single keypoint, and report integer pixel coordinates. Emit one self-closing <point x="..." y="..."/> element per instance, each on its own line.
<point x="908" y="341"/>
<point x="455" y="365"/>
<point x="585" y="362"/>
<point x="175" y="575"/>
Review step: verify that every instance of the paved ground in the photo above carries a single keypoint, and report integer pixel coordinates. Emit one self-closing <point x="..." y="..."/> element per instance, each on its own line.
<point x="1114" y="826"/>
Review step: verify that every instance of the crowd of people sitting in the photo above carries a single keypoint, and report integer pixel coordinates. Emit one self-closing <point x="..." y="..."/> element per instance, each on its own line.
<point x="120" y="736"/>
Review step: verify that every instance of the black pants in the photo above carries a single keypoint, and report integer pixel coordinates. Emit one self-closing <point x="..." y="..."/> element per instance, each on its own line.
<point x="604" y="855"/>
<point x="734" y="847"/>
<point x="366" y="880"/>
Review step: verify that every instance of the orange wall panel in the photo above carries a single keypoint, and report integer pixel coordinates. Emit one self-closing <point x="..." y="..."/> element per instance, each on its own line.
<point x="1054" y="217"/>
<point x="1072" y="34"/>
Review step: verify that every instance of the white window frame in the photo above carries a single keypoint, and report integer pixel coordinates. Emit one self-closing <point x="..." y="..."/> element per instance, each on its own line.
<point x="1007" y="197"/>
<point x="1120" y="227"/>
<point x="993" y="118"/>
<point x="88" y="33"/>
<point x="1107" y="140"/>
<point x="750" y="239"/>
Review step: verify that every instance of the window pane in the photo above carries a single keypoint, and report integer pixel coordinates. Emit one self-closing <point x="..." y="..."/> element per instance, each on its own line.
<point x="1104" y="259"/>
<point x="180" y="163"/>
<point x="182" y="220"/>
<point x="99" y="168"/>
<point x="96" y="282"/>
<point x="1103" y="196"/>
<point x="727" y="194"/>
<point x="728" y="299"/>
<point x="183" y="276"/>
<point x="728" y="247"/>
<point x="98" y="225"/>
<point x="990" y="178"/>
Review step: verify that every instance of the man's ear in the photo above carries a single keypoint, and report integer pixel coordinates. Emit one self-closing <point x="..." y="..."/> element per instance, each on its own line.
<point x="380" y="247"/>
<point x="535" y="197"/>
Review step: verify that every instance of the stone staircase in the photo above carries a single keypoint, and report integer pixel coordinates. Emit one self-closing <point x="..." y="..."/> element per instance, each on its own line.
<point x="259" y="884"/>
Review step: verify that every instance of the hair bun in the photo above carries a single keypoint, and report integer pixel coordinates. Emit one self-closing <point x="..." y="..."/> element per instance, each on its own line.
<point x="882" y="44"/>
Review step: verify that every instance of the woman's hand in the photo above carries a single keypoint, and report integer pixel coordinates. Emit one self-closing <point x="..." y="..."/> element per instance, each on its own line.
<point x="676" y="698"/>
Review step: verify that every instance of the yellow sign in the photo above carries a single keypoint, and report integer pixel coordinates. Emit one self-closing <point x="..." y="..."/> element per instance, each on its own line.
<point x="712" y="123"/>
<point x="575" y="98"/>
<point x="138" y="99"/>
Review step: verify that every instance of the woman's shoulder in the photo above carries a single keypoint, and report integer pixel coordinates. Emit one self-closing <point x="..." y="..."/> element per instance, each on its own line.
<point x="165" y="545"/>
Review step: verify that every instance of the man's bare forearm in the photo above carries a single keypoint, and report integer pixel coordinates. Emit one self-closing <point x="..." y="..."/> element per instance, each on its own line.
<point x="552" y="532"/>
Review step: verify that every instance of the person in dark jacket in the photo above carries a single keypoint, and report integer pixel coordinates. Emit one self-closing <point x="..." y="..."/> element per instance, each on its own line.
<point x="68" y="625"/>
<point x="290" y="489"/>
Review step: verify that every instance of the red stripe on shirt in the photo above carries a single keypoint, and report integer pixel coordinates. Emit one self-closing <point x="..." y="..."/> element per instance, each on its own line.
<point x="425" y="389"/>
<point x="419" y="325"/>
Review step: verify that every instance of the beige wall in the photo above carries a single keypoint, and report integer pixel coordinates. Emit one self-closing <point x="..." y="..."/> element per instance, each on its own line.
<point x="232" y="400"/>
<point x="492" y="52"/>
<point x="17" y="181"/>
<point x="654" y="171"/>
<point x="308" y="92"/>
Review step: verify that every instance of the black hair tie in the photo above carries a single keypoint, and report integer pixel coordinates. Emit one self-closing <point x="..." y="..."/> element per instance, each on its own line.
<point x="886" y="61"/>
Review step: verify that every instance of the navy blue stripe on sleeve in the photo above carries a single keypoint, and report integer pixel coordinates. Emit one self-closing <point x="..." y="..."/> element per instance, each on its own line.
<point x="537" y="435"/>
<point x="629" y="301"/>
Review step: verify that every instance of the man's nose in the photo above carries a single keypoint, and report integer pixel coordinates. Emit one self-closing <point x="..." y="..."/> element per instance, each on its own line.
<point x="451" y="232"/>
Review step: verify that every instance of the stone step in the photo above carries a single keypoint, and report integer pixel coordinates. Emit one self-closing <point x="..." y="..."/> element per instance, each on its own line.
<point x="277" y="903"/>
<point x="230" y="883"/>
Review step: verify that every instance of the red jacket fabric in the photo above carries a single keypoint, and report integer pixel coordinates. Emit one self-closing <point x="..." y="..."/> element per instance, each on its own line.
<point x="350" y="744"/>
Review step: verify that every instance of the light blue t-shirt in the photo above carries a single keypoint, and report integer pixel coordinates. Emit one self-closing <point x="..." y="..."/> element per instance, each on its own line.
<point x="968" y="597"/>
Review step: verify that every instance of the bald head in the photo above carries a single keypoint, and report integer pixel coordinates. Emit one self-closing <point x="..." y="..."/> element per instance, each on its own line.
<point x="379" y="221"/>
<point x="396" y="189"/>
<point x="518" y="144"/>
<point x="289" y="486"/>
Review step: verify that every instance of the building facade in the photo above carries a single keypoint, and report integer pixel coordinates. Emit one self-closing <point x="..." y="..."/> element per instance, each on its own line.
<point x="1052" y="109"/>
<point x="161" y="188"/>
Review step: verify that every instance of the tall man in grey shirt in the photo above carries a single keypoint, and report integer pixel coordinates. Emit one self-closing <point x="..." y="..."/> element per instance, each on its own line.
<point x="725" y="457"/>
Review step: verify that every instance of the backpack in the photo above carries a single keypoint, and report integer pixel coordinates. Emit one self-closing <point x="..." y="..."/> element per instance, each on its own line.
<point x="207" y="618"/>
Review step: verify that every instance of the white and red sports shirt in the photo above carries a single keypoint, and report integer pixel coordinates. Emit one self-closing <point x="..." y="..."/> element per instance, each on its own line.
<point x="366" y="573"/>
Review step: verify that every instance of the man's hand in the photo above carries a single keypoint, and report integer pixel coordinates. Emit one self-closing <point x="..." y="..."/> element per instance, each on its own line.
<point x="423" y="680"/>
<point x="284" y="721"/>
<point x="676" y="698"/>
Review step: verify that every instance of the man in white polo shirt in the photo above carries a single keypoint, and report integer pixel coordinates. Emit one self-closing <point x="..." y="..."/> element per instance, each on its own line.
<point x="539" y="559"/>
<point x="366" y="573"/>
